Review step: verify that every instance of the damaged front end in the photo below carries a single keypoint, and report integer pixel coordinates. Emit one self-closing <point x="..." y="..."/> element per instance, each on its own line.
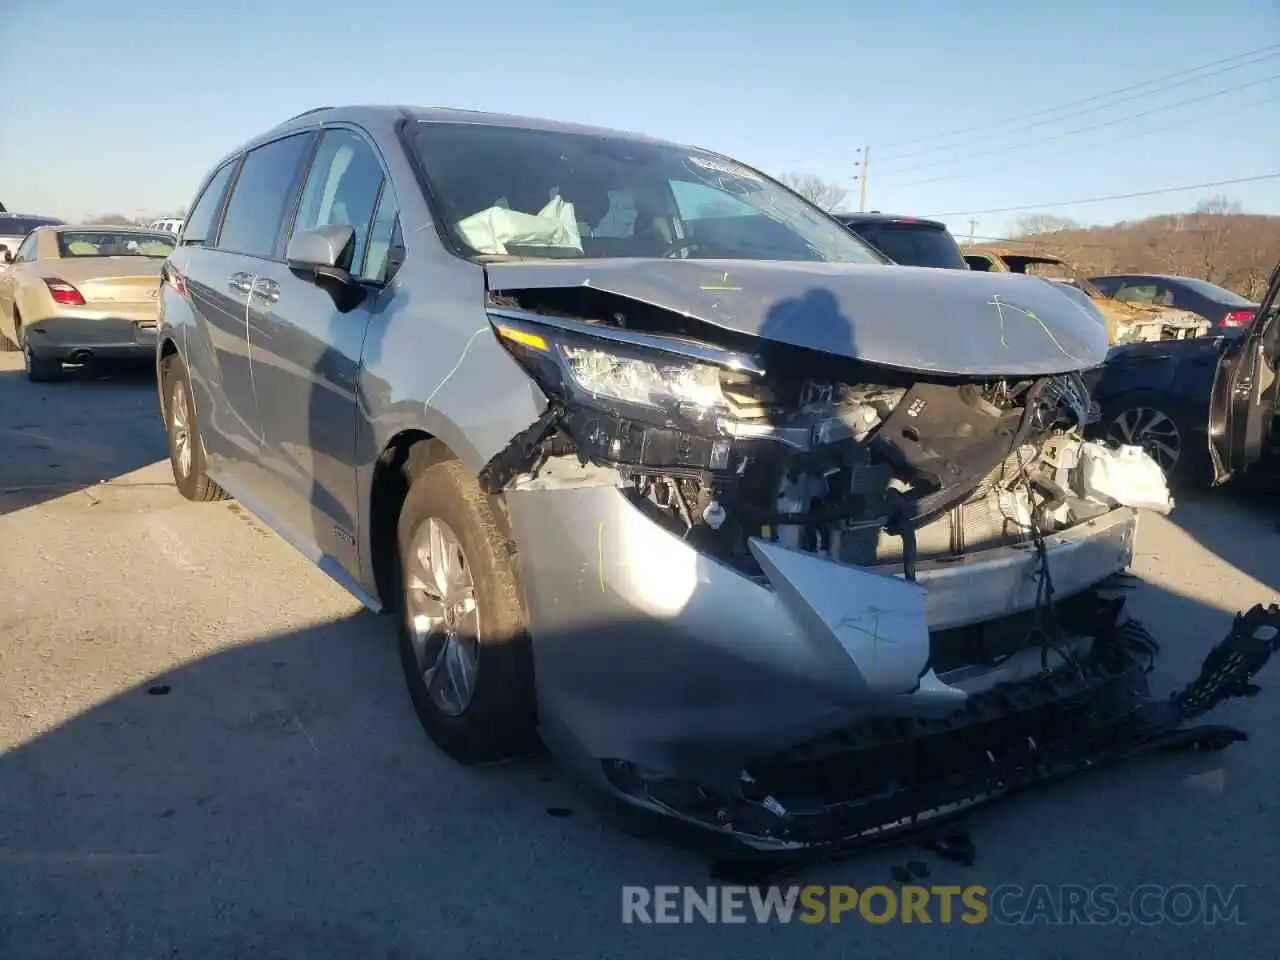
<point x="933" y="550"/>
<point x="1139" y="323"/>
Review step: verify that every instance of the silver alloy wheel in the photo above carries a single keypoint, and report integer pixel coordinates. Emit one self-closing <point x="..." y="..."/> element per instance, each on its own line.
<point x="180" y="424"/>
<point x="1153" y="430"/>
<point x="444" y="621"/>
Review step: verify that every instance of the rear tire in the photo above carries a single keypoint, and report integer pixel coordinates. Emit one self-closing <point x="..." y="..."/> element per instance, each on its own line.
<point x="494" y="716"/>
<point x="186" y="449"/>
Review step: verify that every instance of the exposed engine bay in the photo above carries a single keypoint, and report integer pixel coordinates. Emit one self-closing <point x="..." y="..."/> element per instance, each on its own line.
<point x="862" y="465"/>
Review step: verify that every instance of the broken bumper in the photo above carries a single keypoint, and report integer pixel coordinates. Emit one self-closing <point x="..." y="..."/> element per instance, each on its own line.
<point x="663" y="675"/>
<point x="651" y="652"/>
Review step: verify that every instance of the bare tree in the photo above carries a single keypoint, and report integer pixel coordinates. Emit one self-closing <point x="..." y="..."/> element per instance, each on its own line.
<point x="1219" y="205"/>
<point x="817" y="191"/>
<point x="1031" y="224"/>
<point x="1215" y="240"/>
<point x="1209" y="228"/>
<point x="113" y="219"/>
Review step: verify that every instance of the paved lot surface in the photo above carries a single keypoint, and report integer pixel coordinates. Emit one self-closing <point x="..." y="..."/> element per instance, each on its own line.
<point x="280" y="800"/>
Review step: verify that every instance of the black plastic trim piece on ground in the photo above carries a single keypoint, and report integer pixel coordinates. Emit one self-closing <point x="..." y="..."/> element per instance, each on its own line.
<point x="1091" y="720"/>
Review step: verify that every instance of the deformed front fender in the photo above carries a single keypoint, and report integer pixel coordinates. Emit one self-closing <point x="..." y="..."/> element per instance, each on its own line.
<point x="432" y="364"/>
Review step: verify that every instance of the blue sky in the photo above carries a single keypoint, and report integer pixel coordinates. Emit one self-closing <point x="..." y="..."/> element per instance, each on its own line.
<point x="122" y="107"/>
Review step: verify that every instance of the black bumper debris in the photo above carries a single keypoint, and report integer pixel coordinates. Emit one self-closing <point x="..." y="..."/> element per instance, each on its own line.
<point x="892" y="779"/>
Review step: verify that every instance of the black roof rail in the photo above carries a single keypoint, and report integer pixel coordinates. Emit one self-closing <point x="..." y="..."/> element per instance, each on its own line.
<point x="305" y="113"/>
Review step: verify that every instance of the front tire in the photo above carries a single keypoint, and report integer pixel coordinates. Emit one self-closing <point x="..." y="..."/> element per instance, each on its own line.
<point x="1160" y="425"/>
<point x="464" y="644"/>
<point x="186" y="449"/>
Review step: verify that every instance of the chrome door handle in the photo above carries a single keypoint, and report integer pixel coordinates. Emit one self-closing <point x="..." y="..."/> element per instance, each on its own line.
<point x="266" y="289"/>
<point x="241" y="282"/>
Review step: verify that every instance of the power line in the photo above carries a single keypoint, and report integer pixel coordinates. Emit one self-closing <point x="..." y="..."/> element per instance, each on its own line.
<point x="1118" y="196"/>
<point x="1092" y="99"/>
<point x="1091" y="127"/>
<point x="1269" y="50"/>
<point x="1079" y="113"/>
<point x="1181" y="124"/>
<point x="1102" y="106"/>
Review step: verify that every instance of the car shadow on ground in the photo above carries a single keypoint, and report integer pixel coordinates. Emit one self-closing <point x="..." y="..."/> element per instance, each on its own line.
<point x="98" y="423"/>
<point x="278" y="798"/>
<point x="1239" y="523"/>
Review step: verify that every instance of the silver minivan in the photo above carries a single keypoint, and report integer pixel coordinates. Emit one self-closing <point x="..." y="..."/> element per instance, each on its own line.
<point x="652" y="460"/>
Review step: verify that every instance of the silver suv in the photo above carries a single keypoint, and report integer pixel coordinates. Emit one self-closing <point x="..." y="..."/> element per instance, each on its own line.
<point x="652" y="459"/>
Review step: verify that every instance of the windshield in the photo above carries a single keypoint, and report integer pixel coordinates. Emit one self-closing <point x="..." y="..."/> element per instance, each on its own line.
<point x="13" y="226"/>
<point x="509" y="191"/>
<point x="914" y="245"/>
<point x="109" y="243"/>
<point x="1216" y="293"/>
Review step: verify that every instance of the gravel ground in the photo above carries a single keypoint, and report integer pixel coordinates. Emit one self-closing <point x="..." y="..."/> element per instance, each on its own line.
<point x="206" y="750"/>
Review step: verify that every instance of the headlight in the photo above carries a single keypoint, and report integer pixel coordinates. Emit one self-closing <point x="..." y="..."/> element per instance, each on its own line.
<point x="644" y="400"/>
<point x="646" y="383"/>
<point x="606" y="366"/>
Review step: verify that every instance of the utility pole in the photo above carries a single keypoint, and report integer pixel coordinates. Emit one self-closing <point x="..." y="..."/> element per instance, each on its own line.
<point x="864" y="163"/>
<point x="973" y="225"/>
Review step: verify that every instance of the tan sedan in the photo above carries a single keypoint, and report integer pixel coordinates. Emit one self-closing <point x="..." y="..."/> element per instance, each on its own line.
<point x="76" y="294"/>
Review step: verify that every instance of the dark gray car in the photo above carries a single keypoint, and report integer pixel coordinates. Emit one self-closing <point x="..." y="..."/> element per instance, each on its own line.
<point x="651" y="458"/>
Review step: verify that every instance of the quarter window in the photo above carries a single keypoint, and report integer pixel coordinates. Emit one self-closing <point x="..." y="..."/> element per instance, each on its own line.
<point x="204" y="212"/>
<point x="27" y="250"/>
<point x="342" y="189"/>
<point x="261" y="196"/>
<point x="386" y="246"/>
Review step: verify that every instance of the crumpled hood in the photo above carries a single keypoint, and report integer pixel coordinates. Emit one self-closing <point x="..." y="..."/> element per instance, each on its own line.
<point x="912" y="318"/>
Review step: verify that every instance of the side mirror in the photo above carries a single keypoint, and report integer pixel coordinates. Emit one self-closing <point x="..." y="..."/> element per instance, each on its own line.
<point x="5" y="255"/>
<point x="322" y="255"/>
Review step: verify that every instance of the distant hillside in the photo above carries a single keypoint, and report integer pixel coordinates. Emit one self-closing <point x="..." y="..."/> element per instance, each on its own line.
<point x="1233" y="250"/>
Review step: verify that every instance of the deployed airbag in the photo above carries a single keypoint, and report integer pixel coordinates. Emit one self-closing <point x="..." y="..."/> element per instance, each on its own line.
<point x="493" y="230"/>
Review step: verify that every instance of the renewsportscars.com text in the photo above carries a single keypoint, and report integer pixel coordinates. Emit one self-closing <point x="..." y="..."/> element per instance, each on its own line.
<point x="1008" y="904"/>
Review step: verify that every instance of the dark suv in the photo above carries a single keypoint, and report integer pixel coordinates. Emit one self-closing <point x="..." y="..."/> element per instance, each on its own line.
<point x="910" y="241"/>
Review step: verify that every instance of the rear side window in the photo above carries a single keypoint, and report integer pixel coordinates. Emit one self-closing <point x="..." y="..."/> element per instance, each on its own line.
<point x="1137" y="292"/>
<point x="27" y="251"/>
<point x="261" y="195"/>
<point x="204" y="212"/>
